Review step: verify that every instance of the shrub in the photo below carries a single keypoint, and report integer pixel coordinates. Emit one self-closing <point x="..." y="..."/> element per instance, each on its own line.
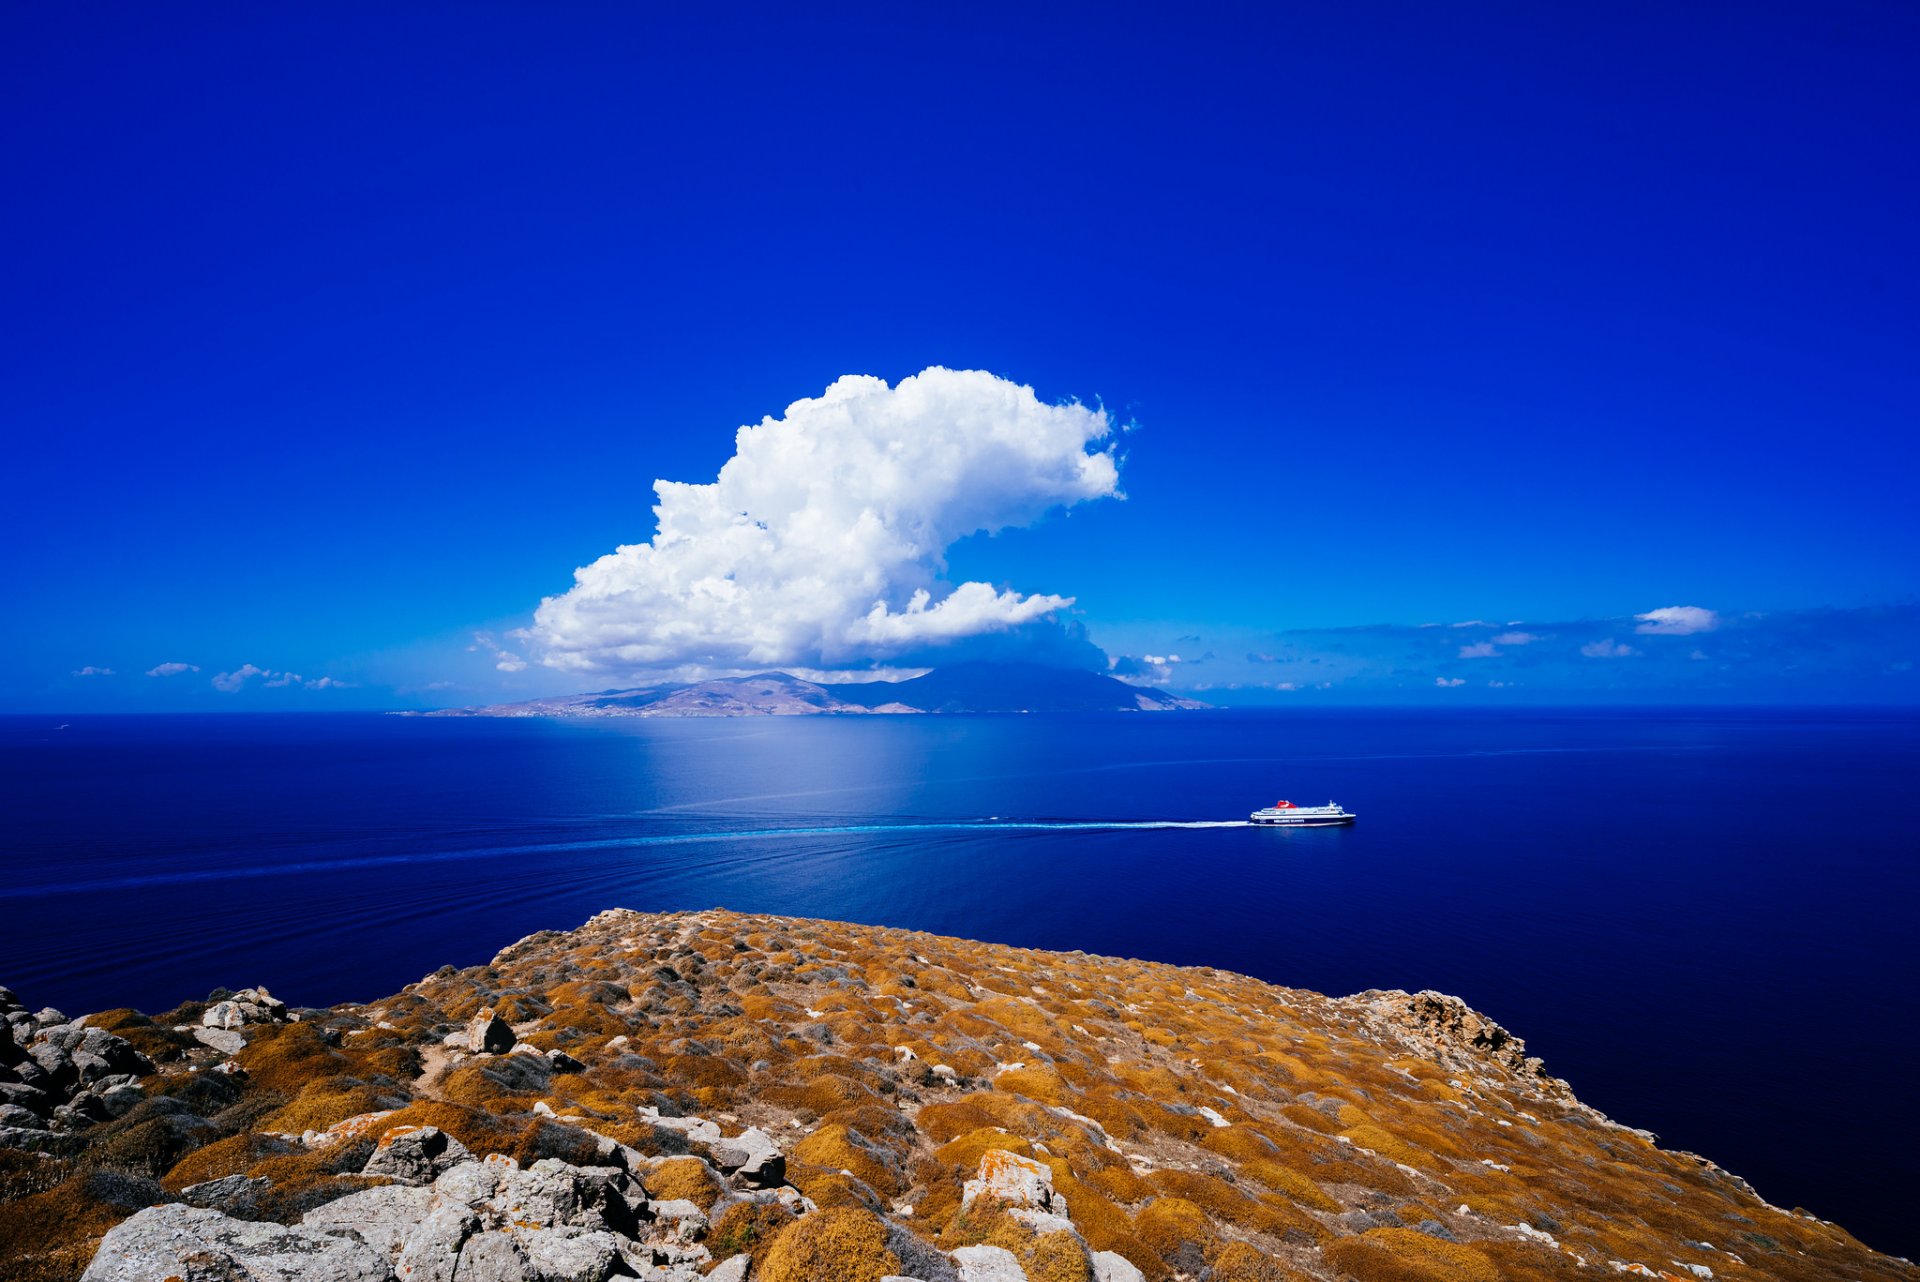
<point x="842" y="1243"/>
<point x="1177" y="1231"/>
<point x="1240" y="1262"/>
<point x="748" y="1228"/>
<point x="841" y="1148"/>
<point x="1408" y="1255"/>
<point x="684" y="1177"/>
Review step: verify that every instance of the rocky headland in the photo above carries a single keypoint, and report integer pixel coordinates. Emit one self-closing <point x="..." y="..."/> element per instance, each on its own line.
<point x="679" y="1096"/>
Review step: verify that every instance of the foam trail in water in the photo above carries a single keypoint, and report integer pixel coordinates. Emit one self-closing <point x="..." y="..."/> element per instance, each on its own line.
<point x="188" y="876"/>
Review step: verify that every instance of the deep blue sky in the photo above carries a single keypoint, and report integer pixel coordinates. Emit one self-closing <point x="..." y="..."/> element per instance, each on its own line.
<point x="331" y="339"/>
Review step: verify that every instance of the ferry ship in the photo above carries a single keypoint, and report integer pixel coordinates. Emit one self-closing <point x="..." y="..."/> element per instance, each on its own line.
<point x="1287" y="815"/>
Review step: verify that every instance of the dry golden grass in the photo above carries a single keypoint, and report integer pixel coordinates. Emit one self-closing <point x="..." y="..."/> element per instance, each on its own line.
<point x="710" y="1013"/>
<point x="843" y="1243"/>
<point x="684" y="1177"/>
<point x="748" y="1228"/>
<point x="1406" y="1255"/>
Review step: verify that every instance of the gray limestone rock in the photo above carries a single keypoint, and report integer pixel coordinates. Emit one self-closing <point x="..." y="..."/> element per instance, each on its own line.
<point x="12" y="1115"/>
<point x="178" y="1241"/>
<point x="1111" y="1266"/>
<point x="248" y="1006"/>
<point x="569" y="1254"/>
<point x="31" y="1098"/>
<point x="919" y="1259"/>
<point x="550" y="1194"/>
<point x="988" y="1264"/>
<point x="752" y="1156"/>
<point x="75" y="1054"/>
<point x="380" y="1217"/>
<point x="489" y="1033"/>
<point x="33" y="1140"/>
<point x="731" y="1269"/>
<point x="492" y="1257"/>
<point x="473" y="1184"/>
<point x="228" y="1194"/>
<point x="431" y="1252"/>
<point x="225" y="1040"/>
<point x="685" y="1219"/>
<point x="416" y="1154"/>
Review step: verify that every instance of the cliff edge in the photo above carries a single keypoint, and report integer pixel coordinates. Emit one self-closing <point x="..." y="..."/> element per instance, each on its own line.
<point x="675" y="1096"/>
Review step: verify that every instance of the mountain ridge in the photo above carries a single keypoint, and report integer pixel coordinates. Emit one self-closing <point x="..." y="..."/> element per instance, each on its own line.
<point x="959" y="688"/>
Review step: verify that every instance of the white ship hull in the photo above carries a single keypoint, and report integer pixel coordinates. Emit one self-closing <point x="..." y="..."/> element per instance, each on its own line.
<point x="1290" y="816"/>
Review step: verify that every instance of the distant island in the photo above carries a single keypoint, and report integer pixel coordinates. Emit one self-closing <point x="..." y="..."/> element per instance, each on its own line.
<point x="964" y="687"/>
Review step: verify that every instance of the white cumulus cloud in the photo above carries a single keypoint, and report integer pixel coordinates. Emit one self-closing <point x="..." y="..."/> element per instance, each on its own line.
<point x="1448" y="683"/>
<point x="172" y="669"/>
<point x="91" y="671"/>
<point x="823" y="540"/>
<point x="1677" y="621"/>
<point x="1479" y="650"/>
<point x="1515" y="638"/>
<point x="229" y="682"/>
<point x="504" y="660"/>
<point x="232" y="681"/>
<point x="1607" y="649"/>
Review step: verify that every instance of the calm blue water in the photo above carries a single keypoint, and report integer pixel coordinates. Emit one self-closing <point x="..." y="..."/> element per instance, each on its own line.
<point x="1703" y="920"/>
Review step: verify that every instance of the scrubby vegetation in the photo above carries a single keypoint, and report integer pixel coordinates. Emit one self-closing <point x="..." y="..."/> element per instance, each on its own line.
<point x="1195" y="1122"/>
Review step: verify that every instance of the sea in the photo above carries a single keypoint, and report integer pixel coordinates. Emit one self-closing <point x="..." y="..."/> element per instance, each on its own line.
<point x="1704" y="920"/>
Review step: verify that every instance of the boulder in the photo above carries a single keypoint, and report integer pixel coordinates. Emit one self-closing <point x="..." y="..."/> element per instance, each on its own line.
<point x="31" y="1098"/>
<point x="489" y="1033"/>
<point x="248" y="1006"/>
<point x="1014" y="1180"/>
<point x="493" y="1257"/>
<point x="178" y="1241"/>
<point x="550" y="1193"/>
<point x="225" y="1040"/>
<point x="731" y="1269"/>
<point x="121" y="1099"/>
<point x="752" y="1156"/>
<point x="231" y="1194"/>
<point x="988" y="1264"/>
<point x="74" y="1055"/>
<point x="570" y="1254"/>
<point x="683" y="1218"/>
<point x="919" y="1259"/>
<point x="1111" y="1266"/>
<point x="415" y="1154"/>
<point x="382" y="1217"/>
<point x="37" y="1140"/>
<point x="12" y="1115"/>
<point x="431" y="1252"/>
<point x="473" y="1184"/>
<point x="697" y="1129"/>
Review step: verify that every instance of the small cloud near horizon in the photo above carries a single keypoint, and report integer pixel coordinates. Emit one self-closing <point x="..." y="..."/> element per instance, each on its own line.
<point x="1847" y="654"/>
<point x="236" y="680"/>
<point x="1676" y="621"/>
<point x="91" y="671"/>
<point x="172" y="669"/>
<point x="504" y="660"/>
